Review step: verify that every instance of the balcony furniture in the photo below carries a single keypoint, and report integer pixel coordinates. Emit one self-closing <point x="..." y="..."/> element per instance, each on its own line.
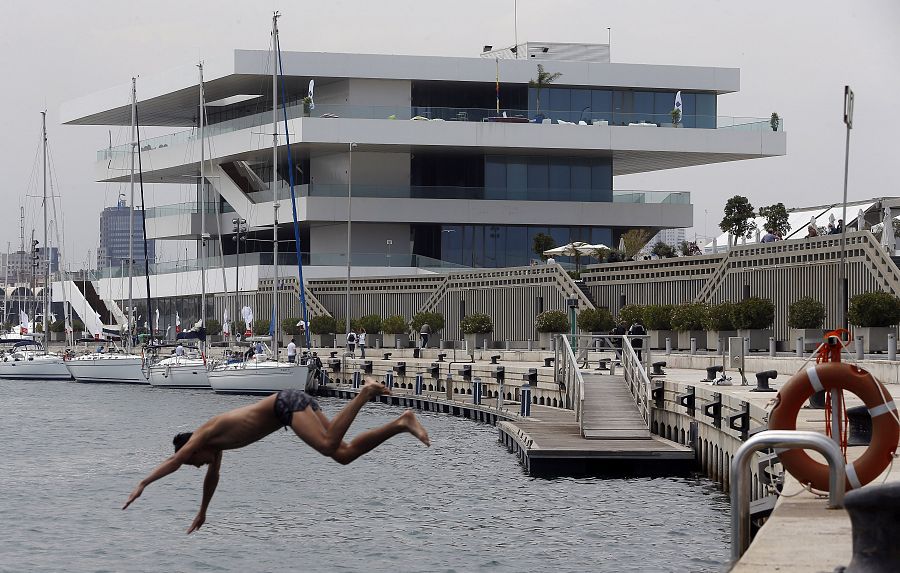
<point x="500" y="119"/>
<point x="600" y="122"/>
<point x="642" y="124"/>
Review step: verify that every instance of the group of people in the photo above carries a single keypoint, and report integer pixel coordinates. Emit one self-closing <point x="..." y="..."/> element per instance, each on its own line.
<point x="357" y="338"/>
<point x="636" y="329"/>
<point x="831" y="229"/>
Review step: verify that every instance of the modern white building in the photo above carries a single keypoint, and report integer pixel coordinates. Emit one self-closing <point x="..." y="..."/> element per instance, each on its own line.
<point x="450" y="161"/>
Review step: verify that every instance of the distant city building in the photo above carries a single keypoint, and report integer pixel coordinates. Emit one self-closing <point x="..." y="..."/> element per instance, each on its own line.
<point x="669" y="236"/>
<point x="18" y="267"/>
<point x="114" y="226"/>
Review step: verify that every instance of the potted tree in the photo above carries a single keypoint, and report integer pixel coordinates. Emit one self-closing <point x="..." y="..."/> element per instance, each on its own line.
<point x="753" y="319"/>
<point x="687" y="321"/>
<point x="289" y="329"/>
<point x="372" y="324"/>
<point x="213" y="328"/>
<point x="774" y="121"/>
<point x="805" y="318"/>
<point x="631" y="313"/>
<point x="477" y="329"/>
<point x="57" y="331"/>
<point x="658" y="320"/>
<point x="396" y="332"/>
<point x="676" y="116"/>
<point x="719" y="325"/>
<point x="307" y="106"/>
<point x="738" y="220"/>
<point x="595" y="320"/>
<point x="542" y="243"/>
<point x="433" y="319"/>
<point x="323" y="328"/>
<point x="547" y="324"/>
<point x="875" y="315"/>
<point x="542" y="81"/>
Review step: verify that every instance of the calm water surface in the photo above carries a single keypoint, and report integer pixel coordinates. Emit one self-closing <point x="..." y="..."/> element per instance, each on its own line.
<point x="72" y="453"/>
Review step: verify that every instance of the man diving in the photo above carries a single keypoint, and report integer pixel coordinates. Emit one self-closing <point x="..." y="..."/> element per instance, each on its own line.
<point x="289" y="408"/>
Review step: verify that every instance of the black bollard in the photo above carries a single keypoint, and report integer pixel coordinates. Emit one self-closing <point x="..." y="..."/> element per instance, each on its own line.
<point x="495" y="359"/>
<point x="875" y="516"/>
<point x="817" y="401"/>
<point x="859" y="426"/>
<point x="658" y="368"/>
<point x="762" y="381"/>
<point x="711" y="372"/>
<point x="387" y="356"/>
<point x="548" y="362"/>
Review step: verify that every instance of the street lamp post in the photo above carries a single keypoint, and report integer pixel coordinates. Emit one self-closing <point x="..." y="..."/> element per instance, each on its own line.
<point x="349" y="222"/>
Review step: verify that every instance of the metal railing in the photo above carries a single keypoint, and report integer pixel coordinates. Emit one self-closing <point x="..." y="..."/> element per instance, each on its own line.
<point x="740" y="470"/>
<point x="636" y="375"/>
<point x="568" y="376"/>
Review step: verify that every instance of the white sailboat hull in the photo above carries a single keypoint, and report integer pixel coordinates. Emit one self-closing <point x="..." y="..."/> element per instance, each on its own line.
<point x="179" y="373"/>
<point x="107" y="368"/>
<point x="46" y="367"/>
<point x="257" y="378"/>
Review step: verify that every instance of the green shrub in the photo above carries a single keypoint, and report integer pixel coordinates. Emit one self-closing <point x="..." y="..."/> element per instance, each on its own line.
<point x="753" y="313"/>
<point x="631" y="313"/>
<point x="240" y="327"/>
<point x="213" y="326"/>
<point x="289" y="326"/>
<point x="476" y="323"/>
<point x="395" y="325"/>
<point x="687" y="317"/>
<point x="658" y="316"/>
<point x="595" y="320"/>
<point x="261" y="326"/>
<point x="323" y="324"/>
<point x="371" y="322"/>
<point x="58" y="326"/>
<point x="719" y="317"/>
<point x="806" y="312"/>
<point x="874" y="309"/>
<point x="77" y="325"/>
<point x="434" y="319"/>
<point x="552" y="321"/>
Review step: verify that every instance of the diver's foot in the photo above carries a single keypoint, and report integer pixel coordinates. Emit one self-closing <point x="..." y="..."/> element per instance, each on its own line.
<point x="413" y="426"/>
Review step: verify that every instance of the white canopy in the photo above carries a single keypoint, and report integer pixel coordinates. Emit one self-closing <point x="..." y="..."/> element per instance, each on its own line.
<point x="572" y="249"/>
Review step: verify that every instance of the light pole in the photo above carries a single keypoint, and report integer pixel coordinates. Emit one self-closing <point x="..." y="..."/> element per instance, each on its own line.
<point x="389" y="243"/>
<point x="848" y="121"/>
<point x="349" y="221"/>
<point x="239" y="227"/>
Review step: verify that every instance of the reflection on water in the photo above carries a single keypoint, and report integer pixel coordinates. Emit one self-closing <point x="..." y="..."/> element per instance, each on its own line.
<point x="72" y="453"/>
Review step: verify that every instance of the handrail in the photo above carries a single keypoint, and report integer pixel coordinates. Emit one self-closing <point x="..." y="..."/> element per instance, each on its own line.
<point x="569" y="376"/>
<point x="740" y="485"/>
<point x="636" y="376"/>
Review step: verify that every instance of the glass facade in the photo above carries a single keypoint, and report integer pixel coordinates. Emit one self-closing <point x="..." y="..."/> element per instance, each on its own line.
<point x="542" y="178"/>
<point x="495" y="245"/>
<point x="623" y="106"/>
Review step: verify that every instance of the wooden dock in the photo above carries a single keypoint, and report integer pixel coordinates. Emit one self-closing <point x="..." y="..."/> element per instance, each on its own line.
<point x="616" y="439"/>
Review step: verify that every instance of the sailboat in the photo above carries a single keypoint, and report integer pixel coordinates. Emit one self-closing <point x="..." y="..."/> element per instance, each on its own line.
<point x="117" y="367"/>
<point x="190" y="370"/>
<point x="264" y="374"/>
<point x="29" y="359"/>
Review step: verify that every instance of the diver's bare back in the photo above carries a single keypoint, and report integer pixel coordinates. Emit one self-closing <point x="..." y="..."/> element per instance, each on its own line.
<point x="239" y="427"/>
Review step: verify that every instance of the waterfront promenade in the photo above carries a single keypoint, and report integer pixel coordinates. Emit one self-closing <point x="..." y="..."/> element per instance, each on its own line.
<point x="800" y="534"/>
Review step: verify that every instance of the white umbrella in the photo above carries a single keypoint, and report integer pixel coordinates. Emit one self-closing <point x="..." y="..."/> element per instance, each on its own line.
<point x="622" y="244"/>
<point x="570" y="250"/>
<point x="860" y="220"/>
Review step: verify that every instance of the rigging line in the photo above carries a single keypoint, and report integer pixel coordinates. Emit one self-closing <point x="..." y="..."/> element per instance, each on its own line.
<point x="287" y="137"/>
<point x="137" y="126"/>
<point x="217" y="202"/>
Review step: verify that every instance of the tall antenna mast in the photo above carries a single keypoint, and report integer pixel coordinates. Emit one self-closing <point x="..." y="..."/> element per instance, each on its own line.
<point x="46" y="290"/>
<point x="202" y="211"/>
<point x="274" y="327"/>
<point x="130" y="313"/>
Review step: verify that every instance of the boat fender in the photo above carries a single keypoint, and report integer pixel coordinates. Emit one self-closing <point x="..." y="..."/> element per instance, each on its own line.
<point x="842" y="376"/>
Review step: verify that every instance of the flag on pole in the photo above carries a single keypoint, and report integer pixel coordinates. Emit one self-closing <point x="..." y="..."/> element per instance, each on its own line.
<point x="177" y="323"/>
<point x="226" y="327"/>
<point x="156" y="321"/>
<point x="678" y="106"/>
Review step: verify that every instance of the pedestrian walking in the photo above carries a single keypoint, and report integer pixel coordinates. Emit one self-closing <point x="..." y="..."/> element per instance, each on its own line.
<point x="424" y="334"/>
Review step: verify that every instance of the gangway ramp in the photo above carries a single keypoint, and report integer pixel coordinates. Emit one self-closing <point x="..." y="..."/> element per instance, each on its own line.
<point x="609" y="410"/>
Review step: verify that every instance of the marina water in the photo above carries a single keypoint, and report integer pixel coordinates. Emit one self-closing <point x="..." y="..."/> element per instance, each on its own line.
<point x="72" y="453"/>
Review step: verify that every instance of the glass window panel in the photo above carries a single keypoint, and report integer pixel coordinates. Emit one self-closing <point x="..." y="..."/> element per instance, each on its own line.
<point x="581" y="180"/>
<point x="533" y="103"/>
<point x="663" y="104"/>
<point x="478" y="250"/>
<point x="537" y="179"/>
<point x="560" y="104"/>
<point x="601" y="181"/>
<point x="468" y="255"/>
<point x="494" y="177"/>
<point x="602" y="236"/>
<point x="689" y="103"/>
<point x="516" y="179"/>
<point x="601" y="104"/>
<point x="706" y="111"/>
<point x="451" y="243"/>
<point x="494" y="246"/>
<point x="560" y="180"/>
<point x="623" y="106"/>
<point x="518" y="248"/>
<point x="581" y="104"/>
<point x="643" y="106"/>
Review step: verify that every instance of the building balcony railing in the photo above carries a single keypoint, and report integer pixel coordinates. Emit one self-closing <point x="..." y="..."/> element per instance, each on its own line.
<point x="585" y="117"/>
<point x="215" y="264"/>
<point x="445" y="192"/>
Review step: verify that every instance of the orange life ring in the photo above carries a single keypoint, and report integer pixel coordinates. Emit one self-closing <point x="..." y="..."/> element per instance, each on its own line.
<point x="828" y="376"/>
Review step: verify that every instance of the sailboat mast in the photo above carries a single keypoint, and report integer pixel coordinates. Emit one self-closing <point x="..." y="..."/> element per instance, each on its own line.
<point x="46" y="298"/>
<point x="202" y="211"/>
<point x="130" y="311"/>
<point x="275" y="327"/>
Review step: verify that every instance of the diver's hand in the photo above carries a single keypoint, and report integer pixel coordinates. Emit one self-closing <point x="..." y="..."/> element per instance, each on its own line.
<point x="134" y="495"/>
<point x="198" y="522"/>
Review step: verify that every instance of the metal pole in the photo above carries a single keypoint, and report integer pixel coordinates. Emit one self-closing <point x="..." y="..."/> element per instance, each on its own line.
<point x="349" y="223"/>
<point x="848" y="121"/>
<point x="131" y="213"/>
<point x="740" y="485"/>
<point x="202" y="202"/>
<point x="274" y="328"/>
<point x="46" y="300"/>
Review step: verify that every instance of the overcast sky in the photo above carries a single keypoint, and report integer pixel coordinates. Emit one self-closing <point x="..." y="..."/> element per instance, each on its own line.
<point x="794" y="57"/>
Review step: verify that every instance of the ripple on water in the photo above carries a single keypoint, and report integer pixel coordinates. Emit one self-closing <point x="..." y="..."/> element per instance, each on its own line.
<point x="71" y="454"/>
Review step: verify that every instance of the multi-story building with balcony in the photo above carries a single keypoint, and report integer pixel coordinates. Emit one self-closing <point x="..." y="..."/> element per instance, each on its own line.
<point x="118" y="242"/>
<point x="450" y="161"/>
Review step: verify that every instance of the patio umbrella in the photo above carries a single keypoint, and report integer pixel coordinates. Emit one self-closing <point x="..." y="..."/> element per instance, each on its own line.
<point x="887" y="232"/>
<point x="571" y="250"/>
